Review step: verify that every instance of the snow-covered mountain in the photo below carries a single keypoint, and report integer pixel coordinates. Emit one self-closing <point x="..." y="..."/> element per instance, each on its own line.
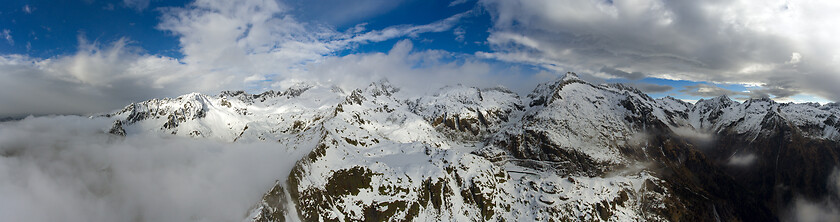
<point x="570" y="150"/>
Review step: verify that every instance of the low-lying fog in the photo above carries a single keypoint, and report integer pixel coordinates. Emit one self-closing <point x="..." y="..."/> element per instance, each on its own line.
<point x="68" y="169"/>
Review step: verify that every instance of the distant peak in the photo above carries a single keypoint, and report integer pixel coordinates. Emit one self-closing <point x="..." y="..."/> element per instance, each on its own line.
<point x="761" y="99"/>
<point x="544" y="93"/>
<point x="192" y="95"/>
<point x="722" y="98"/>
<point x="229" y="93"/>
<point x="673" y="99"/>
<point x="382" y="87"/>
<point x="570" y="76"/>
<point x="297" y="89"/>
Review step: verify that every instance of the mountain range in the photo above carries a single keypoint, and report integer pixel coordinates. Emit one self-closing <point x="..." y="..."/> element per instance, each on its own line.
<point x="569" y="150"/>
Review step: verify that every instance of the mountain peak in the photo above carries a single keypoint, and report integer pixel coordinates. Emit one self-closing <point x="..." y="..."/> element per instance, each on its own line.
<point x="570" y="76"/>
<point x="544" y="92"/>
<point x="382" y="87"/>
<point x="722" y="99"/>
<point x="192" y="95"/>
<point x="762" y="99"/>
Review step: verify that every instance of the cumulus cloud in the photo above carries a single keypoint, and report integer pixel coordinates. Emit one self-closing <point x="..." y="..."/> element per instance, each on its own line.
<point x="97" y="78"/>
<point x="67" y="169"/>
<point x="416" y="71"/>
<point x="737" y="42"/>
<point x="260" y="40"/>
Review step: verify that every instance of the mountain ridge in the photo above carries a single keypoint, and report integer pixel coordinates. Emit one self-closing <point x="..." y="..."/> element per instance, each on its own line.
<point x="465" y="153"/>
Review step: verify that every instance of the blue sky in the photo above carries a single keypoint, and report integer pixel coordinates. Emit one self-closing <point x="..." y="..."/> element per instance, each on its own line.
<point x="52" y="28"/>
<point x="104" y="54"/>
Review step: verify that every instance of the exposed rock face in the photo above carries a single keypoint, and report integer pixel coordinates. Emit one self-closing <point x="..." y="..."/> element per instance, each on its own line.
<point x="570" y="150"/>
<point x="117" y="128"/>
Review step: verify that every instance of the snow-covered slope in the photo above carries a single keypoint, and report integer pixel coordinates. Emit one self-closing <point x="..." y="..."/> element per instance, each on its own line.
<point x="754" y="115"/>
<point x="232" y="116"/>
<point x="570" y="150"/>
<point x="591" y="126"/>
<point x="468" y="112"/>
<point x="378" y="159"/>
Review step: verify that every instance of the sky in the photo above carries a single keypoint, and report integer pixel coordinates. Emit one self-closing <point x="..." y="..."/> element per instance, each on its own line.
<point x="93" y="56"/>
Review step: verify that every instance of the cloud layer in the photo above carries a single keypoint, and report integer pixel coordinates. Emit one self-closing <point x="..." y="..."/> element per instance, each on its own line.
<point x="779" y="45"/>
<point x="68" y="169"/>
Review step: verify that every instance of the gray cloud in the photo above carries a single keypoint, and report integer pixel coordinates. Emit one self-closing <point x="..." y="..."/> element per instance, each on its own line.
<point x="651" y="88"/>
<point x="778" y="91"/>
<point x="826" y="209"/>
<point x="742" y="160"/>
<point x="97" y="78"/>
<point x="68" y="169"/>
<point x="779" y="87"/>
<point x="734" y="42"/>
<point x="706" y="90"/>
<point x="807" y="211"/>
<point x="622" y="74"/>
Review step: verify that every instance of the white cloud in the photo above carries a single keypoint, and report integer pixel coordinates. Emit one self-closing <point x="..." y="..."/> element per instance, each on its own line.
<point x="97" y="78"/>
<point x="7" y="34"/>
<point x="27" y="9"/>
<point x="742" y="160"/>
<point x="459" y="34"/>
<point x="259" y="37"/>
<point x="795" y="58"/>
<point x="417" y="72"/>
<point x="806" y="211"/>
<point x="138" y="5"/>
<point x="457" y="2"/>
<point x="68" y="169"/>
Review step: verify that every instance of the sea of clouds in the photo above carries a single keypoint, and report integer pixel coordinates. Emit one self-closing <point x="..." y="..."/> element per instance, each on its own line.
<point x="66" y="168"/>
